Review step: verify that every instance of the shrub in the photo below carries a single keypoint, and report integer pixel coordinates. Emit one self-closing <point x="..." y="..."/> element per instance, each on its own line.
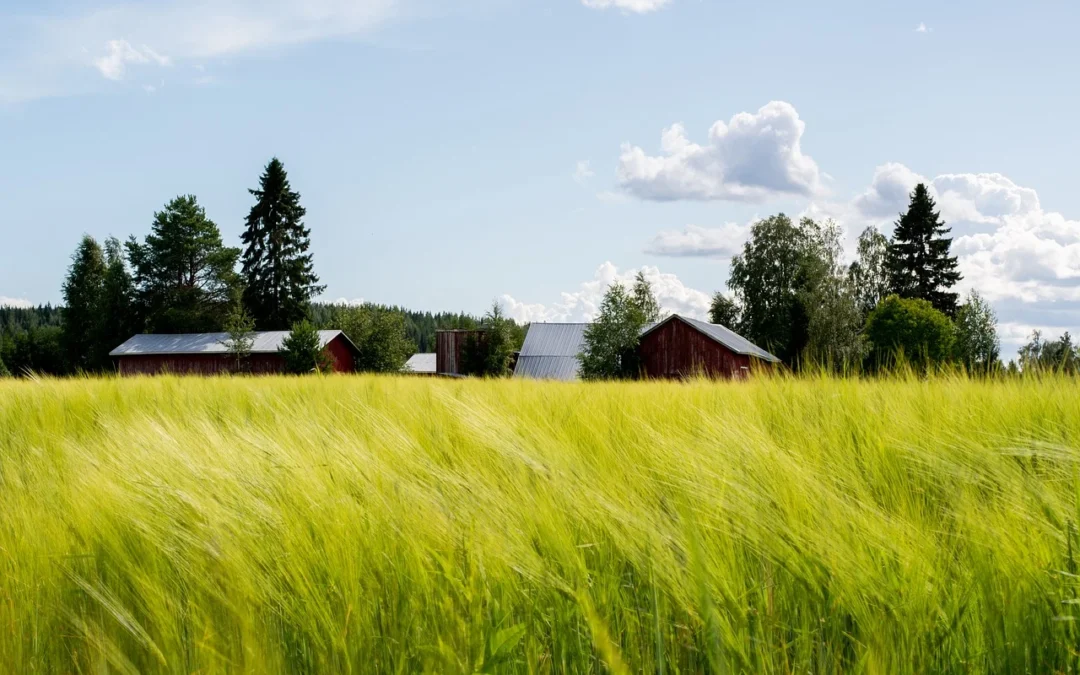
<point x="909" y="331"/>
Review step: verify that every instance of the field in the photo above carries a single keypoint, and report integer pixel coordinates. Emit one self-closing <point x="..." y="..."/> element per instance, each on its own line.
<point x="394" y="525"/>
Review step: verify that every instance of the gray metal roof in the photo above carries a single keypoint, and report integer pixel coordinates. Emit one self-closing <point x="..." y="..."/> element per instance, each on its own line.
<point x="208" y="343"/>
<point x="551" y="351"/>
<point x="422" y="363"/>
<point x="724" y="336"/>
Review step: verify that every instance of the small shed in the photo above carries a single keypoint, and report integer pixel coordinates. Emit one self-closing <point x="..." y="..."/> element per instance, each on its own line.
<point x="208" y="353"/>
<point x="450" y="350"/>
<point x="680" y="347"/>
<point x="421" y="364"/>
<point x="551" y="352"/>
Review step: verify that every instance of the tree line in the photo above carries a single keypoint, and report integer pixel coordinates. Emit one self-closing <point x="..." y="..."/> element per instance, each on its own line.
<point x="183" y="278"/>
<point x="792" y="294"/>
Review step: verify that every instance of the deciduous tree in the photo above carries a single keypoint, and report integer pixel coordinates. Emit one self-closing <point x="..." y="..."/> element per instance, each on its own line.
<point x="977" y="344"/>
<point x="909" y="331"/>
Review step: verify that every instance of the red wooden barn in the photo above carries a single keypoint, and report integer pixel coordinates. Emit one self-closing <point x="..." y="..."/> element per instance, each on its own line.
<point x="208" y="354"/>
<point x="680" y="347"/>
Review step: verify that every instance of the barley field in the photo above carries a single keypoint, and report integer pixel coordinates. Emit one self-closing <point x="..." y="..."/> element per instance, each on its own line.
<point x="396" y="525"/>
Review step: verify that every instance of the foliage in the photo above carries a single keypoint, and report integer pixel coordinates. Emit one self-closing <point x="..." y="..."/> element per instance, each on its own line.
<point x="183" y="274"/>
<point x="780" y="267"/>
<point x="303" y="350"/>
<point x="117" y="297"/>
<point x="612" y="339"/>
<point x="1049" y="356"/>
<point x="83" y="292"/>
<point x="644" y="299"/>
<point x="420" y="327"/>
<point x="491" y="354"/>
<point x="919" y="262"/>
<point x="39" y="350"/>
<point x="4" y="372"/>
<point x="724" y="311"/>
<point x="834" y="325"/>
<point x="911" y="332"/>
<point x="398" y="525"/>
<point x="977" y="345"/>
<point x="869" y="274"/>
<point x="379" y="334"/>
<point x="240" y="328"/>
<point x="279" y="276"/>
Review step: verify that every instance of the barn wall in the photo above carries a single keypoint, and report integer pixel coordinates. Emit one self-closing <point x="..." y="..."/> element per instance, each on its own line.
<point x="198" y="364"/>
<point x="342" y="356"/>
<point x="676" y="351"/>
<point x="450" y="349"/>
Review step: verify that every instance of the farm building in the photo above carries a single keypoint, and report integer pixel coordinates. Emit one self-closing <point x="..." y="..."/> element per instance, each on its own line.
<point x="450" y="350"/>
<point x="207" y="353"/>
<point x="421" y="364"/>
<point x="679" y="347"/>
<point x="676" y="347"/>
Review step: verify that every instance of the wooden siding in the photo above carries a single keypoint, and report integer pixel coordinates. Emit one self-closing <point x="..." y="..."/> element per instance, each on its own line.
<point x="677" y="350"/>
<point x="450" y="350"/>
<point x="341" y="356"/>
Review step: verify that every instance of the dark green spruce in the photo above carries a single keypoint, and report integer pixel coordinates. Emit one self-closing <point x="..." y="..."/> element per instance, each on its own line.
<point x="278" y="272"/>
<point x="919" y="263"/>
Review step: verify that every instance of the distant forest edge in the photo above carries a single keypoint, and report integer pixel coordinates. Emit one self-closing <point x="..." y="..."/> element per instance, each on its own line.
<point x="31" y="338"/>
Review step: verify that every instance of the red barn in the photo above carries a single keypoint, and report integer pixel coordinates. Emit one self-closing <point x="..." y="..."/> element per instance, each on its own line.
<point x="207" y="354"/>
<point x="680" y="347"/>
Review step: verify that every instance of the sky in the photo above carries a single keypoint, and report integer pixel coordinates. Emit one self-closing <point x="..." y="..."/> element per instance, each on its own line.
<point x="452" y="153"/>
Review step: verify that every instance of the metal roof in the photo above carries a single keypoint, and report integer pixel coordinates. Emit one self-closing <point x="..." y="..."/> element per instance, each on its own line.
<point x="551" y="351"/>
<point x="421" y="363"/>
<point x="210" y="343"/>
<point x="724" y="336"/>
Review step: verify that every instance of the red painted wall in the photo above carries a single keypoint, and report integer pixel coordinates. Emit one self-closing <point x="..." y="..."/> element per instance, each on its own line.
<point x="219" y="364"/>
<point x="676" y="351"/>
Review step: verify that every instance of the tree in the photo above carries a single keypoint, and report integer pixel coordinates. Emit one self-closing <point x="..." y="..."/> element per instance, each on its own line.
<point x="643" y="299"/>
<point x="835" y="325"/>
<point x="184" y="276"/>
<point x="240" y="328"/>
<point x="38" y="350"/>
<point x="910" y="331"/>
<point x="379" y="335"/>
<point x="117" y="311"/>
<point x="977" y="344"/>
<point x="303" y="350"/>
<point x="611" y="340"/>
<point x="1040" y="355"/>
<point x="724" y="312"/>
<point x="780" y="265"/>
<point x="4" y="372"/>
<point x="499" y="352"/>
<point x="279" y="277"/>
<point x="919" y="262"/>
<point x="83" y="291"/>
<point x="869" y="275"/>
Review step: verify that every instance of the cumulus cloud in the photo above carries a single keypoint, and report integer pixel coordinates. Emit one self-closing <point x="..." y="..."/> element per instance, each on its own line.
<point x="921" y="28"/>
<point x="635" y="6"/>
<point x="752" y="157"/>
<point x="583" y="172"/>
<point x="46" y="54"/>
<point x="889" y="191"/>
<point x="18" y="303"/>
<point x="583" y="304"/>
<point x="700" y="242"/>
<point x="120" y="54"/>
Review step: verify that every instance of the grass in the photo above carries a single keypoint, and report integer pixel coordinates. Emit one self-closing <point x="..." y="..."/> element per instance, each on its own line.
<point x="394" y="525"/>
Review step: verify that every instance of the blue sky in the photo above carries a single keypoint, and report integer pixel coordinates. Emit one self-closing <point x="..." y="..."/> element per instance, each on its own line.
<point x="451" y="153"/>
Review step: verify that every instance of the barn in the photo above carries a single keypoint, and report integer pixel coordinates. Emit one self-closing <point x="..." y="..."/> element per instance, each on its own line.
<point x="674" y="348"/>
<point x="207" y="353"/>
<point x="421" y="364"/>
<point x="680" y="347"/>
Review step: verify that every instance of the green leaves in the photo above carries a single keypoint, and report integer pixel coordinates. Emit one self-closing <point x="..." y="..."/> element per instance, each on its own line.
<point x="500" y="648"/>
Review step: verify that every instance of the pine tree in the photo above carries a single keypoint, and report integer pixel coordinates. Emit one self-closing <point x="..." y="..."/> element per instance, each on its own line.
<point x="83" y="291"/>
<point x="278" y="272"/>
<point x="919" y="263"/>
<point x="118" y="322"/>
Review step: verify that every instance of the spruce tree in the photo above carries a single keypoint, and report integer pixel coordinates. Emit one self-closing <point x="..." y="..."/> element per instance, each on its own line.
<point x="278" y="271"/>
<point x="83" y="291"/>
<point x="117" y="308"/>
<point x="919" y="263"/>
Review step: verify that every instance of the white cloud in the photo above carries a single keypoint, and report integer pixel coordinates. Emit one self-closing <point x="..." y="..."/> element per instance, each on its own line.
<point x="120" y="54"/>
<point x="636" y="6"/>
<point x="15" y="302"/>
<point x="583" y="172"/>
<point x="701" y="242"/>
<point x="889" y="191"/>
<point x="921" y="28"/>
<point x="752" y="157"/>
<point x="51" y="54"/>
<point x="584" y="303"/>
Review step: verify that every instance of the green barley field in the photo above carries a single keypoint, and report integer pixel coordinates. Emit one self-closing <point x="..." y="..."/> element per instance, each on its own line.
<point x="396" y="525"/>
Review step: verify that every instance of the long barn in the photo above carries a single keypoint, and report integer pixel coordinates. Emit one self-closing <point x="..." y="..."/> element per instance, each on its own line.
<point x="208" y="353"/>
